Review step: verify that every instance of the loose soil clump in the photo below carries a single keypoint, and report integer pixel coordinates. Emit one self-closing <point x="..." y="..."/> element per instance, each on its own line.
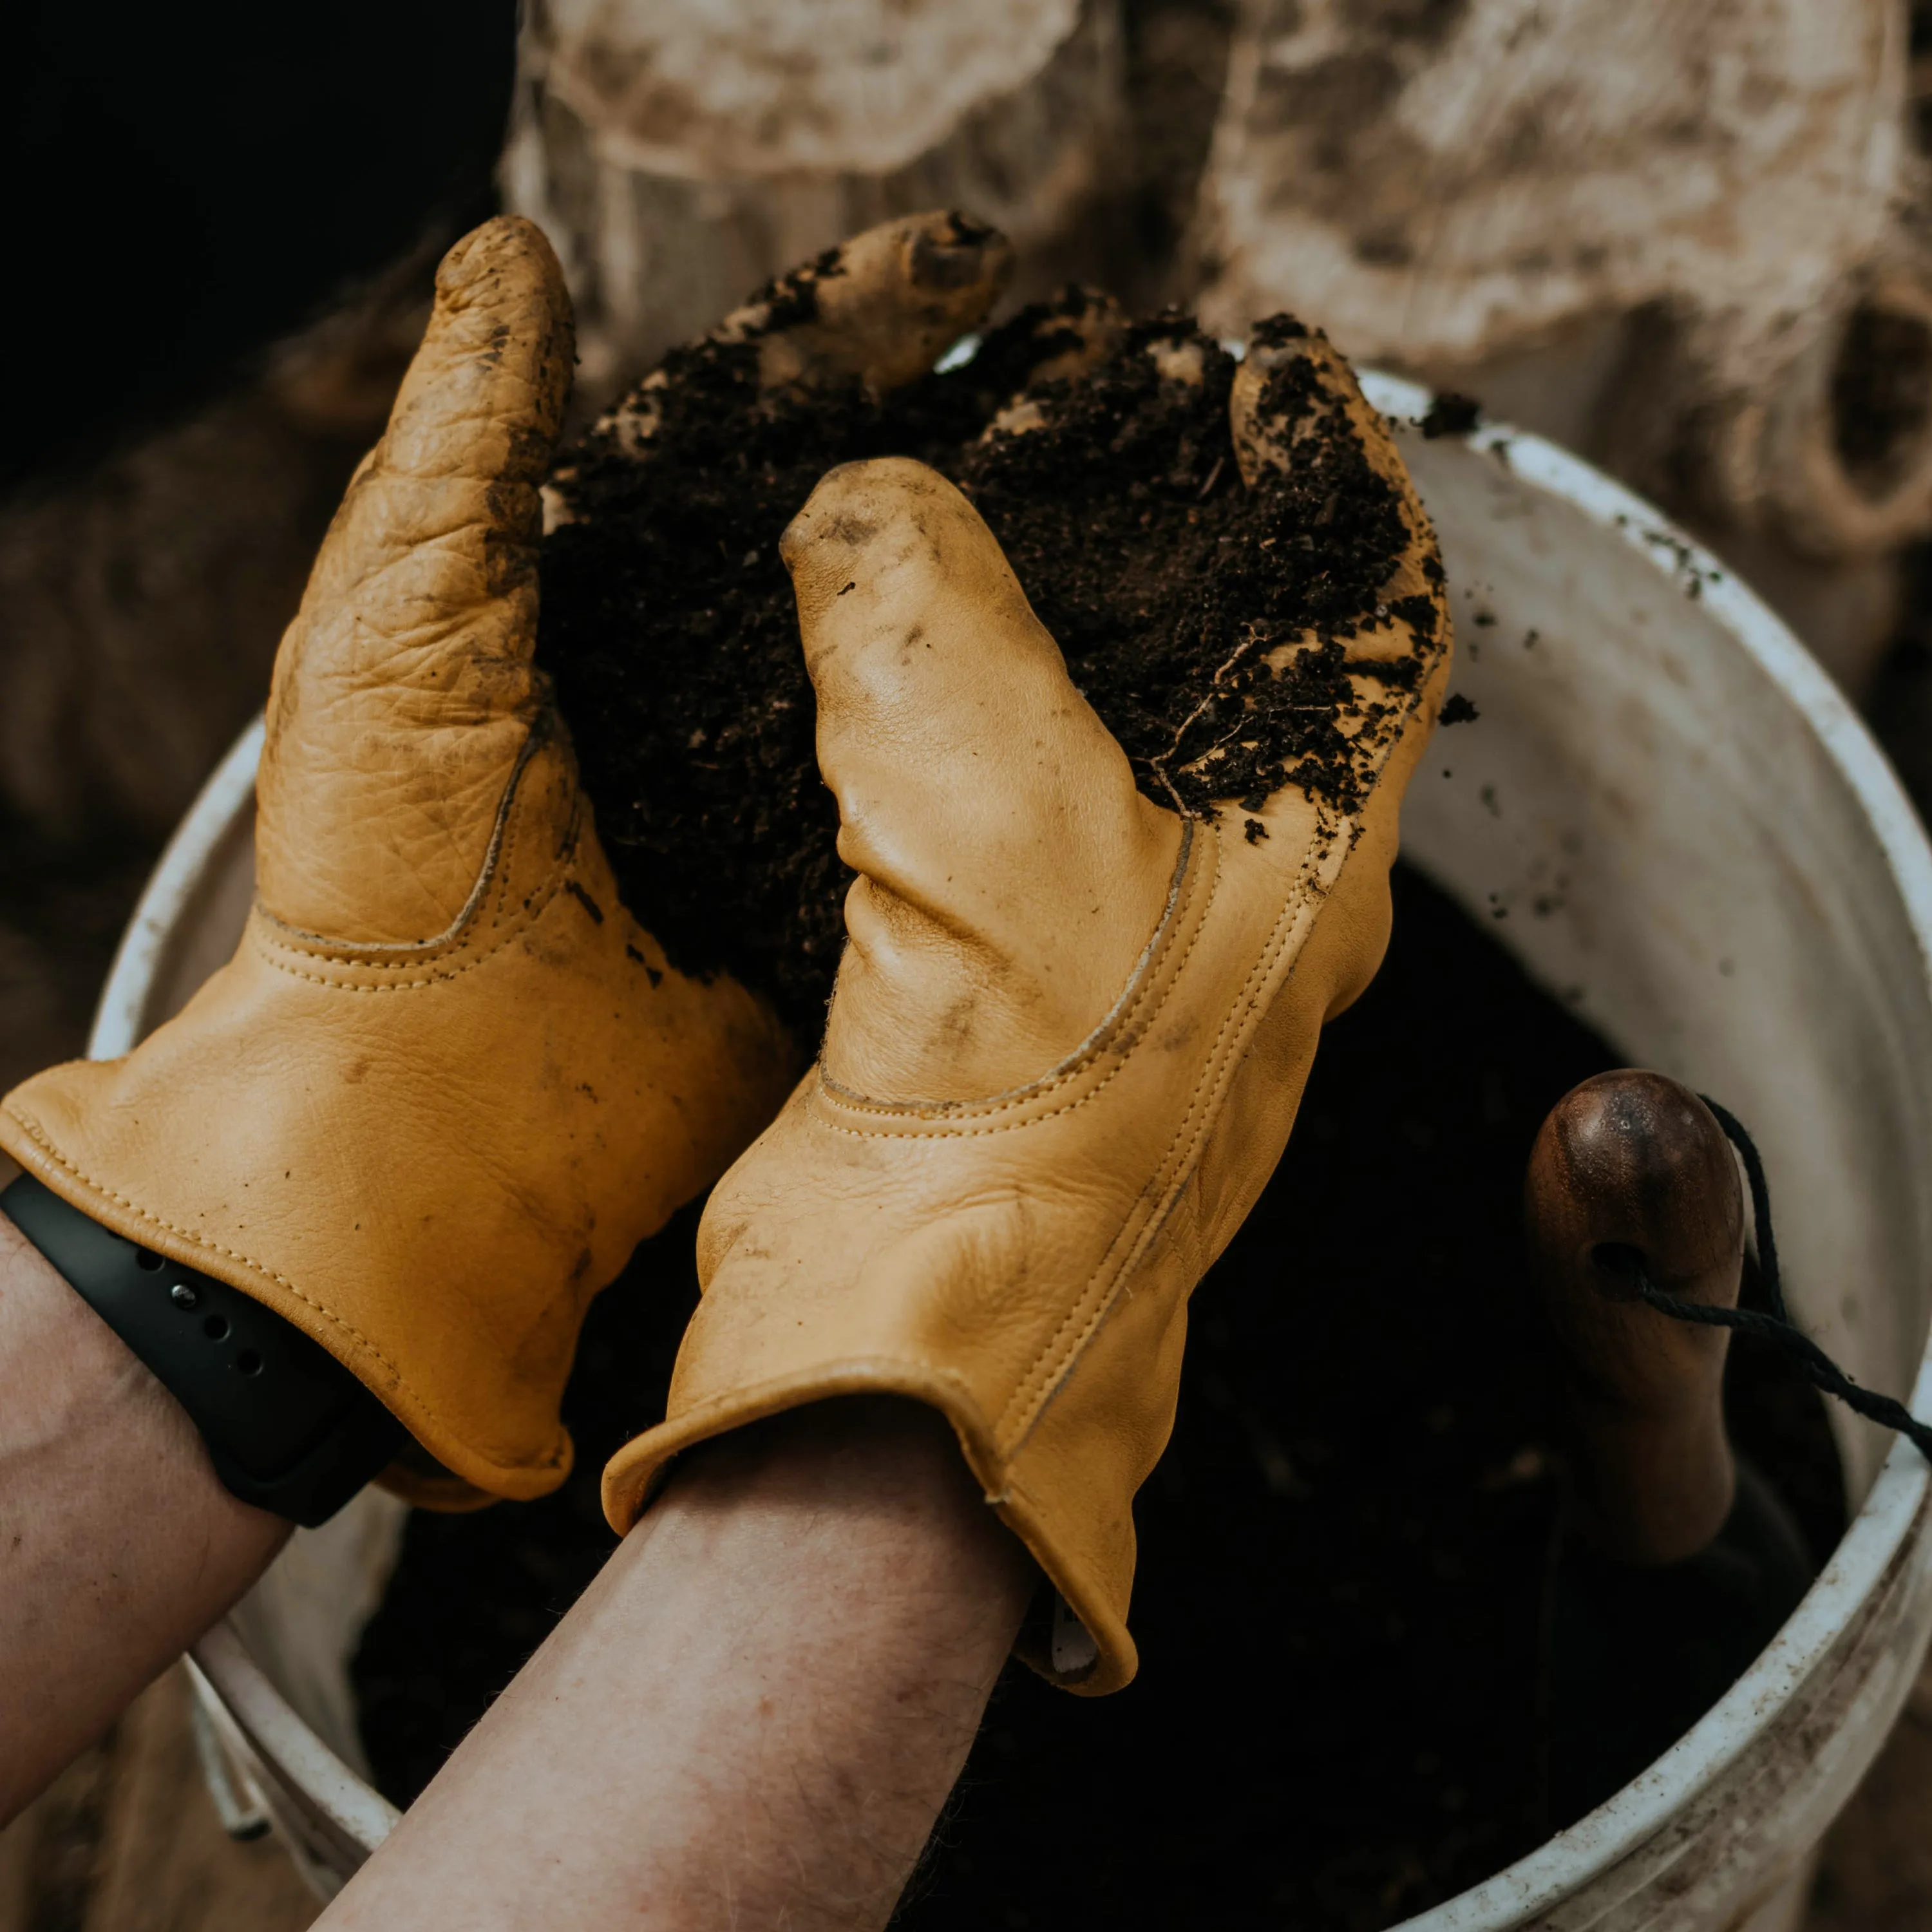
<point x="1341" y="1554"/>
<point x="669" y="625"/>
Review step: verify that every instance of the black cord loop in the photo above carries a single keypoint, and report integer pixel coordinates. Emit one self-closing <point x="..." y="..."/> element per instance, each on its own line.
<point x="1776" y="1327"/>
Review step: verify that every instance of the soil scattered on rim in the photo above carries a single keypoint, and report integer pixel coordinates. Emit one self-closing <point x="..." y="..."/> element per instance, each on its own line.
<point x="1342" y="1553"/>
<point x="1451" y="413"/>
<point x="669" y="625"/>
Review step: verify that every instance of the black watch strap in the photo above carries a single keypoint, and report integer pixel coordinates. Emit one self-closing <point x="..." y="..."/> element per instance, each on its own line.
<point x="290" y="1429"/>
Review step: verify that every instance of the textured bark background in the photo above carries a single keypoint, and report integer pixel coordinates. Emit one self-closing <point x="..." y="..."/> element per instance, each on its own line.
<point x="1684" y="237"/>
<point x="680" y="154"/>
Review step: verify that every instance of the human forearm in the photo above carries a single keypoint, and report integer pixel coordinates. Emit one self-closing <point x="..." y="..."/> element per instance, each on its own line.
<point x="119" y="1546"/>
<point x="750" y="1719"/>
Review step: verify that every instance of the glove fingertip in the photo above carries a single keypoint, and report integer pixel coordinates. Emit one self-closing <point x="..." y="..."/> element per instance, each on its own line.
<point x="510" y="245"/>
<point x="500" y="349"/>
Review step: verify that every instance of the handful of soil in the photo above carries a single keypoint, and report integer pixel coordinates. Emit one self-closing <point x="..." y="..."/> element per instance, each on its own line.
<point x="1100" y="454"/>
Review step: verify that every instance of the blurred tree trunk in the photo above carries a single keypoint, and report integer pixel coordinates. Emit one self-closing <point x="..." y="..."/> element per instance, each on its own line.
<point x="1687" y="241"/>
<point x="680" y="154"/>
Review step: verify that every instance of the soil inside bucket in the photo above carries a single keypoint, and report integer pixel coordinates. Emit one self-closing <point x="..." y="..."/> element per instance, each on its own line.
<point x="1341" y="1554"/>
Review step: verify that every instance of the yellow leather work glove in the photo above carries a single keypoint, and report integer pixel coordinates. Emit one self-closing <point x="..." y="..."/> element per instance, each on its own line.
<point x="1069" y="1034"/>
<point x="446" y="1084"/>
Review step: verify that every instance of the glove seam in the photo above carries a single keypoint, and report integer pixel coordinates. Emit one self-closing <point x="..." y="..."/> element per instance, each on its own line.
<point x="491" y="887"/>
<point x="33" y="1131"/>
<point x="1058" y="1358"/>
<point x="922" y="1118"/>
<point x="459" y="950"/>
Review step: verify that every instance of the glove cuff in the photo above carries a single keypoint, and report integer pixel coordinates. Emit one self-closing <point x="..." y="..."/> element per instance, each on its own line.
<point x="1082" y="1644"/>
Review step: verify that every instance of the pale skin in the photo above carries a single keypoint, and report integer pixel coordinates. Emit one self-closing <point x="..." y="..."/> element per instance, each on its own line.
<point x="117" y="1546"/>
<point x="750" y="1719"/>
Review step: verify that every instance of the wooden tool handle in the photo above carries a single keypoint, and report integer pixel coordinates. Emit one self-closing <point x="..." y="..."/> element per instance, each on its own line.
<point x="1629" y="1167"/>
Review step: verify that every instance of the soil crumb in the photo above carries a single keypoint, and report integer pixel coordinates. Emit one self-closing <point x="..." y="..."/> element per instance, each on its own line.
<point x="1451" y="414"/>
<point x="668" y="622"/>
<point x="1342" y="1553"/>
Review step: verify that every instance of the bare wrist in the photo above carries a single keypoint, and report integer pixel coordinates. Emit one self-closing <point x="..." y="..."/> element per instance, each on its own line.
<point x="883" y="1463"/>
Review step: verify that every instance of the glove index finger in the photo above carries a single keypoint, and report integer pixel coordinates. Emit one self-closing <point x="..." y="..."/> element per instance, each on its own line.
<point x="882" y="308"/>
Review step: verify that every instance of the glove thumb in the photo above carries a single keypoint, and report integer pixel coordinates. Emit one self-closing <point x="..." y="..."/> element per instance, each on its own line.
<point x="404" y="696"/>
<point x="1010" y="874"/>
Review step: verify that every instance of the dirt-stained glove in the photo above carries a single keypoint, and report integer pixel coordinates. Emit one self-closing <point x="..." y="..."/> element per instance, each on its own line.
<point x="446" y="1084"/>
<point x="1069" y="1035"/>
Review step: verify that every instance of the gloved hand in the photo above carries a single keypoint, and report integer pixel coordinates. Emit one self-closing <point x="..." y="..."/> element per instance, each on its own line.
<point x="446" y="1084"/>
<point x="1069" y="1034"/>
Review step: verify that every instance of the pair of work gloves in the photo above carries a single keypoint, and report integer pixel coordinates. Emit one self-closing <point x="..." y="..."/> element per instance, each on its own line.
<point x="447" y="1083"/>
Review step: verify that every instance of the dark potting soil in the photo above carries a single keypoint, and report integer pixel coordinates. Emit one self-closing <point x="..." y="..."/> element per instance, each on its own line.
<point x="668" y="621"/>
<point x="1342" y="1552"/>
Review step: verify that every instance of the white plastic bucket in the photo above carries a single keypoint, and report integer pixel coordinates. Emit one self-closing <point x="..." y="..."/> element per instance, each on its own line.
<point x="1681" y="827"/>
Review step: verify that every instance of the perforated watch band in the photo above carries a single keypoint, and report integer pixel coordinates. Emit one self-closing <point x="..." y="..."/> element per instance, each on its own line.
<point x="289" y="1428"/>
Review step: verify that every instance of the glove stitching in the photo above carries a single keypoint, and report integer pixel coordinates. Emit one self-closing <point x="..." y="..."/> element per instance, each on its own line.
<point x="1157" y="981"/>
<point x="492" y="891"/>
<point x="563" y="867"/>
<point x="268" y="947"/>
<point x="1394" y="719"/>
<point x="492" y="881"/>
<point x="1203" y="1110"/>
<point x="263" y="946"/>
<point x="35" y="1133"/>
<point x="1105" y="1285"/>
